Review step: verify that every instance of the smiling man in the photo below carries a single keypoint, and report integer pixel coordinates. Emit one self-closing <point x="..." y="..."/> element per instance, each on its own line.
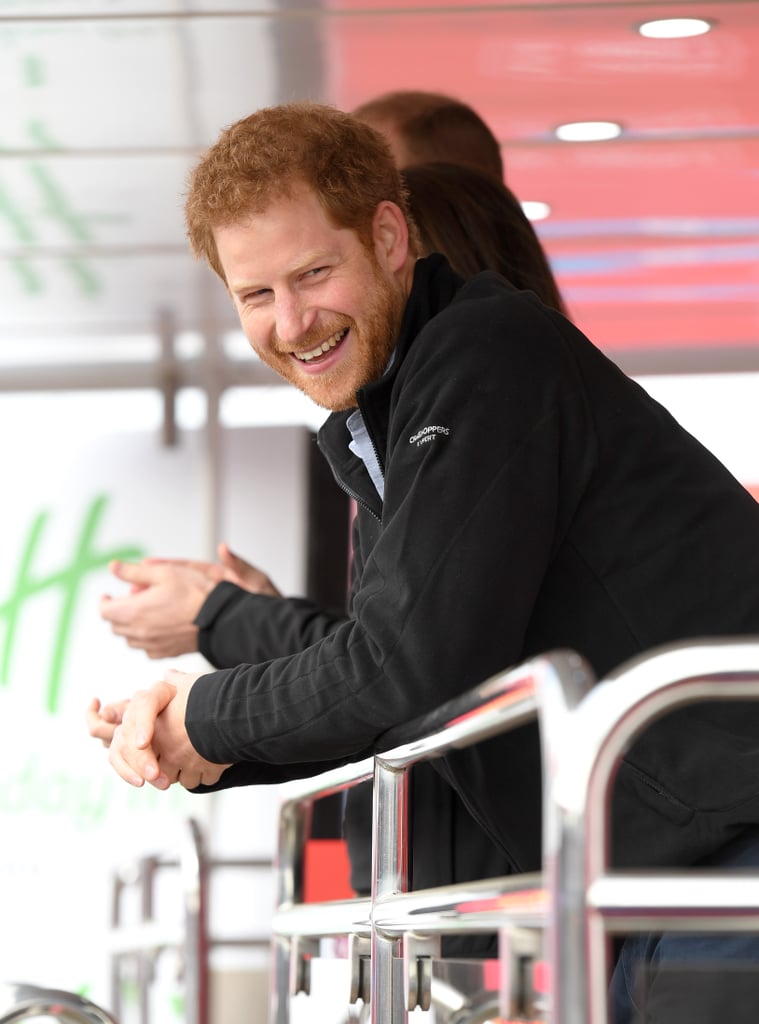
<point x="516" y="493"/>
<point x="317" y="305"/>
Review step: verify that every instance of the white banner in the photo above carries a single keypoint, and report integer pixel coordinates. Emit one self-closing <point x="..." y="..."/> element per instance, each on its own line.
<point x="73" y="498"/>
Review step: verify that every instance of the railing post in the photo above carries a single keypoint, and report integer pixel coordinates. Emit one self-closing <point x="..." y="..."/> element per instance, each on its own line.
<point x="294" y="823"/>
<point x="389" y="877"/>
<point x="563" y="684"/>
<point x="193" y="865"/>
<point x="402" y="946"/>
<point x="604" y="727"/>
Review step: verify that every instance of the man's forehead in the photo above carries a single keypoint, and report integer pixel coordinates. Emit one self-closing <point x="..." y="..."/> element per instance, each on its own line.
<point x="292" y="192"/>
<point x="284" y="239"/>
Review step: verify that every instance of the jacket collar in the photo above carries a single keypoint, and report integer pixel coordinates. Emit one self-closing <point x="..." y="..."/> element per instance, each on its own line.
<point x="433" y="288"/>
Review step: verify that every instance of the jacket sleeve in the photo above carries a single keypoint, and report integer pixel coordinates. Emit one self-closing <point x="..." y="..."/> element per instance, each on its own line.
<point x="237" y="627"/>
<point x="258" y="773"/>
<point x="490" y="442"/>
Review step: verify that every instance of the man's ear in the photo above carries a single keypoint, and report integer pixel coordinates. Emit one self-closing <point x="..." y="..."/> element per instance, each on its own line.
<point x="390" y="233"/>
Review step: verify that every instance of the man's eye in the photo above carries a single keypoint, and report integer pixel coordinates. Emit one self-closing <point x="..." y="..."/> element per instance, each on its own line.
<point x="315" y="271"/>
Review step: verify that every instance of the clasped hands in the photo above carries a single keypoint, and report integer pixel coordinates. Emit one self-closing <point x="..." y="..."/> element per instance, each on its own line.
<point x="146" y="736"/>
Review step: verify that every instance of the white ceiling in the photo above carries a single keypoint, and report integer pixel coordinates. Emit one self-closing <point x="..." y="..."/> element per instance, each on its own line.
<point x="654" y="236"/>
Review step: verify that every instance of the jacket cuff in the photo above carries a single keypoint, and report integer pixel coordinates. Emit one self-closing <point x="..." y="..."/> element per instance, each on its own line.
<point x="223" y="597"/>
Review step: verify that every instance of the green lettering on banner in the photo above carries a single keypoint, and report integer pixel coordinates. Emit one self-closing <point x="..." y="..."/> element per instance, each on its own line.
<point x="68" y="580"/>
<point x="83" y="799"/>
<point x="36" y="788"/>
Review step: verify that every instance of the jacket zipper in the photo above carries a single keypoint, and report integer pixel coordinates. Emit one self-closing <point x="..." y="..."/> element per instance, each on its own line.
<point x="344" y="487"/>
<point x="359" y="500"/>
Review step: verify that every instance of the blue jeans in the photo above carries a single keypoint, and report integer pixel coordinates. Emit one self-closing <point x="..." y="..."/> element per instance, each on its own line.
<point x="691" y="979"/>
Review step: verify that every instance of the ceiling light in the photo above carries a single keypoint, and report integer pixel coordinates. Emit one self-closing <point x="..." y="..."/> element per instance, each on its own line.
<point x="588" y="131"/>
<point x="535" y="210"/>
<point x="674" y="28"/>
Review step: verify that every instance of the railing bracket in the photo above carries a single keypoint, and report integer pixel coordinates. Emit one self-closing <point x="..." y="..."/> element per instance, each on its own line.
<point x="360" y="956"/>
<point x="418" y="953"/>
<point x="302" y="950"/>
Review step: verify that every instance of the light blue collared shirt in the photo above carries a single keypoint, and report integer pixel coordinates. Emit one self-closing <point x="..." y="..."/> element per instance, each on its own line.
<point x="362" y="446"/>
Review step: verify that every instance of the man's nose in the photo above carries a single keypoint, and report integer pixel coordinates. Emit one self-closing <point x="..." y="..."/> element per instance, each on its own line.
<point x="293" y="318"/>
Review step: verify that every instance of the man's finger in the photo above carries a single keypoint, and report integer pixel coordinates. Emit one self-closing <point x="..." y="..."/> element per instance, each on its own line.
<point x="228" y="558"/>
<point x="145" y="706"/>
<point x="119" y="611"/>
<point x="161" y="781"/>
<point x="136" y="774"/>
<point x="142" y="574"/>
<point x="97" y="725"/>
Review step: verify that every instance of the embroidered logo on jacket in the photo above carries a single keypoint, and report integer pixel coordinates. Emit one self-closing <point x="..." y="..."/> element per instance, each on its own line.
<point x="427" y="434"/>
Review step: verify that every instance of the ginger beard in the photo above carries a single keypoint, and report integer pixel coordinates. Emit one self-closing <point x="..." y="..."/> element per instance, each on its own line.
<point x="360" y="355"/>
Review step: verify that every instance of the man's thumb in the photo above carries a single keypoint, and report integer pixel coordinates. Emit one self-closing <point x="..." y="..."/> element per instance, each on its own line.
<point x="141" y="574"/>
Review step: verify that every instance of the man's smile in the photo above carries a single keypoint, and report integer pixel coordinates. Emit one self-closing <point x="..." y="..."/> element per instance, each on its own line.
<point x="321" y="350"/>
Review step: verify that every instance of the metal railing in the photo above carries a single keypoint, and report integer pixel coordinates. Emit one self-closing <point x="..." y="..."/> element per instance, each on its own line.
<point x="564" y="914"/>
<point x="137" y="946"/>
<point x="596" y="901"/>
<point x="31" y="1002"/>
<point x="392" y="925"/>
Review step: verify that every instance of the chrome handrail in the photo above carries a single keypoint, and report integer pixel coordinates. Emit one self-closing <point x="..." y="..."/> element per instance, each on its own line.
<point x="141" y="943"/>
<point x="576" y="900"/>
<point x="144" y="941"/>
<point x="547" y="689"/>
<point x="597" y="901"/>
<point x="20" y="1001"/>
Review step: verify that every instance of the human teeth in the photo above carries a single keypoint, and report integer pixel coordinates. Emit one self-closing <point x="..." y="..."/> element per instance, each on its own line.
<point x="325" y="346"/>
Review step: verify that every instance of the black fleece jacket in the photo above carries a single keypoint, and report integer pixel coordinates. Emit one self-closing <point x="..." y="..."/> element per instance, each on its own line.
<point x="535" y="498"/>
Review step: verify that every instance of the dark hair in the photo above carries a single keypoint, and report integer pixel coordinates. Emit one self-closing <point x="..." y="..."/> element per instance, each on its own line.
<point x="435" y="127"/>
<point x="478" y="224"/>
<point x="263" y="157"/>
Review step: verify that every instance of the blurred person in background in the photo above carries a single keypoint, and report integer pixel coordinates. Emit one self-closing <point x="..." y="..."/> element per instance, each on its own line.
<point x="430" y="127"/>
<point x="478" y="224"/>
